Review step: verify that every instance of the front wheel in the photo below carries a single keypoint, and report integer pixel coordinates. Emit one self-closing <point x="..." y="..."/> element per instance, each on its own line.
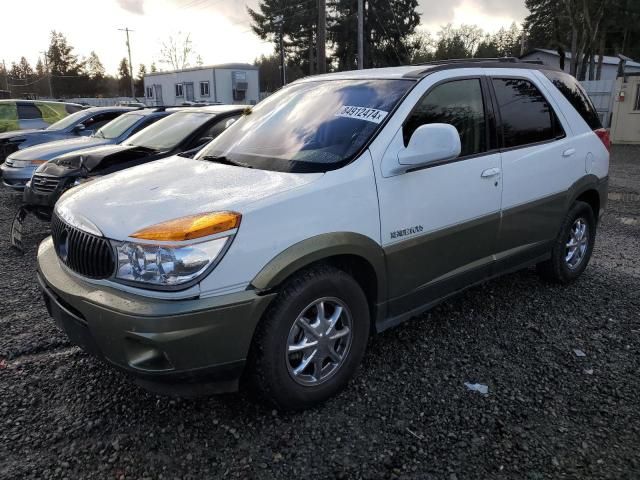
<point x="311" y="340"/>
<point x="573" y="247"/>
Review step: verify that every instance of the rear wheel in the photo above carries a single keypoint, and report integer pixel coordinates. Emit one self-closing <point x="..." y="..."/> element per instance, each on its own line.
<point x="573" y="246"/>
<point x="311" y="340"/>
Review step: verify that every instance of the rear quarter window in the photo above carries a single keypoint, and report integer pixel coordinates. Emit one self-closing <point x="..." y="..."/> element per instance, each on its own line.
<point x="577" y="97"/>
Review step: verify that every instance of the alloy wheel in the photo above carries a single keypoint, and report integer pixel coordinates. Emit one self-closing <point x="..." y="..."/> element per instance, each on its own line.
<point x="577" y="243"/>
<point x="319" y="341"/>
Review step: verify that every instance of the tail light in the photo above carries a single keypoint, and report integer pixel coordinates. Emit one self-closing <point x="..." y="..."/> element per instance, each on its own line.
<point x="603" y="134"/>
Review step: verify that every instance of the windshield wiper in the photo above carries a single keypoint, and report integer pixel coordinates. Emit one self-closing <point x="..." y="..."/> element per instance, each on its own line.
<point x="224" y="160"/>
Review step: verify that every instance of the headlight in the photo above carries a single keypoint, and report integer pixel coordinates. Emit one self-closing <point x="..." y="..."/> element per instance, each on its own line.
<point x="26" y="163"/>
<point x="165" y="265"/>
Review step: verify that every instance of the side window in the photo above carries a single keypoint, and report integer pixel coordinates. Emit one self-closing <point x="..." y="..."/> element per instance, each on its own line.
<point x="28" y="111"/>
<point x="145" y="123"/>
<point x="458" y="103"/>
<point x="573" y="92"/>
<point x="213" y="131"/>
<point x="97" y="121"/>
<point x="526" y="115"/>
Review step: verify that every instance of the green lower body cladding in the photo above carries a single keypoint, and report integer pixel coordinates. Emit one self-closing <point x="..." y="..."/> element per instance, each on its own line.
<point x="169" y="346"/>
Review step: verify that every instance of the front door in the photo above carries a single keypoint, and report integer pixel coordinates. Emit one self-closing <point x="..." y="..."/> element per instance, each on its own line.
<point x="189" y="95"/>
<point x="439" y="224"/>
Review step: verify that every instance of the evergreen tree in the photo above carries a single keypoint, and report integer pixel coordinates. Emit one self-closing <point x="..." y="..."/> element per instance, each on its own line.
<point x="124" y="78"/>
<point x="139" y="81"/>
<point x="63" y="65"/>
<point x="299" y="25"/>
<point x="389" y="32"/>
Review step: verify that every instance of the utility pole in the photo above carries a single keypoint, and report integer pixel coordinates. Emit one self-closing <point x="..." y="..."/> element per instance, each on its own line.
<point x="322" y="36"/>
<point x="360" y="34"/>
<point x="46" y="66"/>
<point x="6" y="75"/>
<point x="133" y="88"/>
<point x="279" y="20"/>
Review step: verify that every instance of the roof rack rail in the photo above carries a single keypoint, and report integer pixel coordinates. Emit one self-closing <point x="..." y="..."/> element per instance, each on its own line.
<point x="160" y="108"/>
<point x="471" y="60"/>
<point x="504" y="62"/>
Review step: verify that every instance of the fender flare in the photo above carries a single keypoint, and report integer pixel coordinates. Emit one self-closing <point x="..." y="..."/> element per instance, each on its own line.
<point x="321" y="247"/>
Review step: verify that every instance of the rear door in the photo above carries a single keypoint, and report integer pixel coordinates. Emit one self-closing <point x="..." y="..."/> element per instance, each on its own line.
<point x="439" y="224"/>
<point x="539" y="165"/>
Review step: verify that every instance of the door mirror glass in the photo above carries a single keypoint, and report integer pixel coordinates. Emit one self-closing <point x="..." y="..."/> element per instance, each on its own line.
<point x="79" y="128"/>
<point x="434" y="142"/>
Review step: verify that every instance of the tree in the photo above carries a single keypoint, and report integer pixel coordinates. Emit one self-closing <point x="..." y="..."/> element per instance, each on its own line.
<point x="63" y="65"/>
<point x="269" y="72"/>
<point x="389" y="32"/>
<point x="588" y="29"/>
<point x="139" y="81"/>
<point x="504" y="43"/>
<point x="124" y="78"/>
<point x="93" y="66"/>
<point x="299" y="24"/>
<point x="177" y="52"/>
<point x="153" y="68"/>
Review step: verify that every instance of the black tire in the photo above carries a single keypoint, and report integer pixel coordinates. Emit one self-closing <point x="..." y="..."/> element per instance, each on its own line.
<point x="268" y="367"/>
<point x="557" y="269"/>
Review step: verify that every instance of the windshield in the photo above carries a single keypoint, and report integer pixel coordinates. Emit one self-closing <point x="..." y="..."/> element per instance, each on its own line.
<point x="310" y="126"/>
<point x="167" y="133"/>
<point x="68" y="121"/>
<point x="118" y="126"/>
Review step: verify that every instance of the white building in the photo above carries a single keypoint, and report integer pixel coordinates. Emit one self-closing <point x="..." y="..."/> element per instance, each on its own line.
<point x="609" y="64"/>
<point x="227" y="83"/>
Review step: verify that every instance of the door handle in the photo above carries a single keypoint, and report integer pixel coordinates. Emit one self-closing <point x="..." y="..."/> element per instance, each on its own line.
<point x="490" y="172"/>
<point x="569" y="152"/>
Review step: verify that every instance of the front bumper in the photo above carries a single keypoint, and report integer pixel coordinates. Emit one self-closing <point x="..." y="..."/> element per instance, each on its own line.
<point x="176" y="347"/>
<point x="16" y="177"/>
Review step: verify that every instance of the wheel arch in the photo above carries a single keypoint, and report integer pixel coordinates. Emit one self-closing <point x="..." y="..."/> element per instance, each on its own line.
<point x="591" y="190"/>
<point x="358" y="255"/>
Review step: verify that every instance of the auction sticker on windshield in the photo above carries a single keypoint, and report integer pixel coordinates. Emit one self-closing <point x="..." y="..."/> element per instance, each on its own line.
<point x="363" y="113"/>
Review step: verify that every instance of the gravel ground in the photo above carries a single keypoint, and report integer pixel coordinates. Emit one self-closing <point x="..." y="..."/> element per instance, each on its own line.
<point x="407" y="414"/>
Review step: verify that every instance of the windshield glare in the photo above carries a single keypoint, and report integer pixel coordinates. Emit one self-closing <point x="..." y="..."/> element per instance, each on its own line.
<point x="310" y="126"/>
<point x="167" y="133"/>
<point x="68" y="120"/>
<point x="118" y="126"/>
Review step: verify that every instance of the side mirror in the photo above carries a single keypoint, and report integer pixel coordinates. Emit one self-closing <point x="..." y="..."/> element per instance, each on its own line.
<point x="435" y="142"/>
<point x="79" y="128"/>
<point x="203" y="141"/>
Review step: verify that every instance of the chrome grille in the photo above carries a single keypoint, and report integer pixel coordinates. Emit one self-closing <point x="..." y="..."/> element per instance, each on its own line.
<point x="44" y="183"/>
<point x="84" y="253"/>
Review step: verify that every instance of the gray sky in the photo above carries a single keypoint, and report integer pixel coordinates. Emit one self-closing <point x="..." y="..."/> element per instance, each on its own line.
<point x="219" y="28"/>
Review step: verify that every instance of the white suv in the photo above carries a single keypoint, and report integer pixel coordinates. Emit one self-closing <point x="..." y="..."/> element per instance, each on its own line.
<point x="342" y="205"/>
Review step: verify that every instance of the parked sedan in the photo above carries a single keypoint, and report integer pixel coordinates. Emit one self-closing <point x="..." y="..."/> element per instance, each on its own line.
<point x="184" y="132"/>
<point x="81" y="123"/>
<point x="30" y="114"/>
<point x="20" y="165"/>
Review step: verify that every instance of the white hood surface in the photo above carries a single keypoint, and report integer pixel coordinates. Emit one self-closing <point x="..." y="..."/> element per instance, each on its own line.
<point x="126" y="201"/>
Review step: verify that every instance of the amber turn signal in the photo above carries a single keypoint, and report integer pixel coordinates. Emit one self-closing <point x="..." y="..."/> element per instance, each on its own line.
<point x="188" y="228"/>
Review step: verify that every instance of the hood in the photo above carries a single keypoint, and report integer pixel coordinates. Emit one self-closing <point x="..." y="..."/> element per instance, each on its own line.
<point x="126" y="201"/>
<point x="8" y="136"/>
<point x="92" y="157"/>
<point x="49" y="150"/>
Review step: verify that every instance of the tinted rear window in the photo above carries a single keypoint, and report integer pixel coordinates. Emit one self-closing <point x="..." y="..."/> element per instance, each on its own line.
<point x="526" y="116"/>
<point x="73" y="108"/>
<point x="572" y="90"/>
